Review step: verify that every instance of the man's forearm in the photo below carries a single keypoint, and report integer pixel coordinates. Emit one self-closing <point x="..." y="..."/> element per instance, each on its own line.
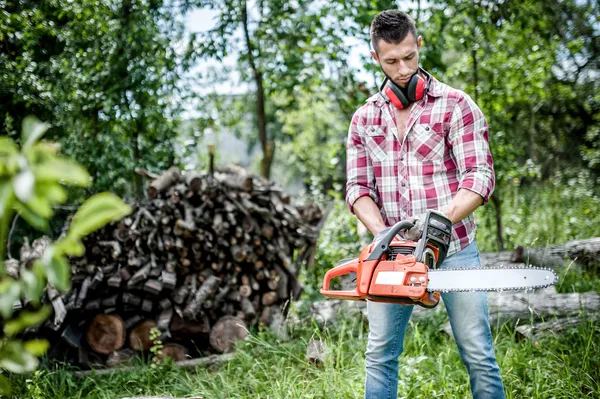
<point x="368" y="213"/>
<point x="463" y="204"/>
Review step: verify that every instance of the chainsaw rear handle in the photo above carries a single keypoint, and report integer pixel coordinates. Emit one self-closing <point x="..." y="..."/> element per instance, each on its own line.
<point x="345" y="268"/>
<point x="381" y="247"/>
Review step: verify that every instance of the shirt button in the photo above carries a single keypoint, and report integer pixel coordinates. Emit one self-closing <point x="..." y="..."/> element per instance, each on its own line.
<point x="403" y="184"/>
<point x="427" y="128"/>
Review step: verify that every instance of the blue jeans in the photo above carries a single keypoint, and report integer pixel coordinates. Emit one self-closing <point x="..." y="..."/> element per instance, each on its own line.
<point x="468" y="313"/>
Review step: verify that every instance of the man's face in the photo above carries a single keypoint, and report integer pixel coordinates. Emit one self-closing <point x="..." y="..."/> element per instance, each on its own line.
<point x="399" y="61"/>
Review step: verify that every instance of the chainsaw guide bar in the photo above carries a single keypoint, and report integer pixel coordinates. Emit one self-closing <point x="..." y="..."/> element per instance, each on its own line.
<point x="490" y="279"/>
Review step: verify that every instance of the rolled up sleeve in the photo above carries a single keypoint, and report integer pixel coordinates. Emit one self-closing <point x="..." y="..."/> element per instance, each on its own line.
<point x="359" y="170"/>
<point x="469" y="142"/>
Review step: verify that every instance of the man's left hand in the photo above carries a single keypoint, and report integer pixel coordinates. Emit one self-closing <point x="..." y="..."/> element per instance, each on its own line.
<point x="415" y="232"/>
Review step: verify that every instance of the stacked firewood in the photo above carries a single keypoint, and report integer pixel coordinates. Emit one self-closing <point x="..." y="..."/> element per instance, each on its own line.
<point x="205" y="257"/>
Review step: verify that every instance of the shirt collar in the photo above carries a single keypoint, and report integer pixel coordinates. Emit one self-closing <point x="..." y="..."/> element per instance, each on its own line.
<point x="435" y="90"/>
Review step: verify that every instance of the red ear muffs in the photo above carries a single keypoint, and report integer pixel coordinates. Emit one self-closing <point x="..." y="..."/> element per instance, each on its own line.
<point x="415" y="90"/>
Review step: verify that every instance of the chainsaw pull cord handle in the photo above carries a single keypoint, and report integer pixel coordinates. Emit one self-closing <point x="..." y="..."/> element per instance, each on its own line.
<point x="382" y="246"/>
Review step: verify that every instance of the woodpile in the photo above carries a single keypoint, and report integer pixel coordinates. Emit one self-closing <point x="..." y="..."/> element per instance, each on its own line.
<point x="205" y="257"/>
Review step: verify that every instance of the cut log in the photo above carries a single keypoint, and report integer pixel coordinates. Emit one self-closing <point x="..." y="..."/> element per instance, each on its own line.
<point x="166" y="180"/>
<point x="72" y="336"/>
<point x="207" y="290"/>
<point x="181" y="328"/>
<point x="106" y="333"/>
<point x="174" y="351"/>
<point x="139" y="338"/>
<point x="226" y="332"/>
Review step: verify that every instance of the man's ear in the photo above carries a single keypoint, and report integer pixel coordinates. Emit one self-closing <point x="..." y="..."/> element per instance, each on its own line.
<point x="419" y="42"/>
<point x="375" y="57"/>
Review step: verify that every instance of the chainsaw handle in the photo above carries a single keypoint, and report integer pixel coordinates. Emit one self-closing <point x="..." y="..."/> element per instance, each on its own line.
<point x="340" y="270"/>
<point x="381" y="247"/>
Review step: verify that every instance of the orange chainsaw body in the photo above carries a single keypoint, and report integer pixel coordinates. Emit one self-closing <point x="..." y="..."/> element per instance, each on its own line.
<point x="401" y="280"/>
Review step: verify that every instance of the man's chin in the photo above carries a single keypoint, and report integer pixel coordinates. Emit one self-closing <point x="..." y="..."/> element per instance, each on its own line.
<point x="403" y="85"/>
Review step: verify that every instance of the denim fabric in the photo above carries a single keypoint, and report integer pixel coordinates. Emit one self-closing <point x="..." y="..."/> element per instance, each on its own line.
<point x="468" y="313"/>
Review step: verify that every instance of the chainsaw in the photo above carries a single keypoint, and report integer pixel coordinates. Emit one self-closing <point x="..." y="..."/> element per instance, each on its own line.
<point x="406" y="272"/>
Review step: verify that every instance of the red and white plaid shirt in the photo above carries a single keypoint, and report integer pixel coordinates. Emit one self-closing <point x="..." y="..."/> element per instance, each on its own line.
<point x="445" y="149"/>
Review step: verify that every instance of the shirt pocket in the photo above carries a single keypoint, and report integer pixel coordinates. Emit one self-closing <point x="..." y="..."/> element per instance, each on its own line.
<point x="376" y="143"/>
<point x="428" y="143"/>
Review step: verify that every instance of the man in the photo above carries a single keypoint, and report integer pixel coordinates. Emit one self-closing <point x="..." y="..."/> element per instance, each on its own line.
<point x="421" y="145"/>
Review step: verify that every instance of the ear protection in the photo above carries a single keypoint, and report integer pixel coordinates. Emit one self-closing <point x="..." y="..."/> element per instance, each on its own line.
<point x="415" y="90"/>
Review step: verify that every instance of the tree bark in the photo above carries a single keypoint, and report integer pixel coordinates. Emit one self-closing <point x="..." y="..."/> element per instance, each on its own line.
<point x="268" y="146"/>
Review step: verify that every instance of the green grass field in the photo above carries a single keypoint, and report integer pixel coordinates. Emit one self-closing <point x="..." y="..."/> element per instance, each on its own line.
<point x="566" y="366"/>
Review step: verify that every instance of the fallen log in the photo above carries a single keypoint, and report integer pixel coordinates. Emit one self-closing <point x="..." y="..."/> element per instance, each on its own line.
<point x="533" y="332"/>
<point x="585" y="254"/>
<point x="523" y="306"/>
<point x="198" y="362"/>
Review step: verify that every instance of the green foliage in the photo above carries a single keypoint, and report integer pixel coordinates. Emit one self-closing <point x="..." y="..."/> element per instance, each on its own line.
<point x="156" y="348"/>
<point x="104" y="73"/>
<point x="543" y="213"/>
<point x="31" y="182"/>
<point x="338" y="240"/>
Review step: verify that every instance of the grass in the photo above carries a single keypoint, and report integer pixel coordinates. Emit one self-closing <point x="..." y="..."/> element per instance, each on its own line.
<point x="553" y="367"/>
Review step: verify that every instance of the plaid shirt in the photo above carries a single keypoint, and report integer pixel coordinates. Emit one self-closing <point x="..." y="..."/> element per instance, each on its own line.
<point x="445" y="149"/>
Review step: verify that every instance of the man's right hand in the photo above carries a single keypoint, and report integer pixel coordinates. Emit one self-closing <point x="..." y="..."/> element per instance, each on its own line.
<point x="381" y="233"/>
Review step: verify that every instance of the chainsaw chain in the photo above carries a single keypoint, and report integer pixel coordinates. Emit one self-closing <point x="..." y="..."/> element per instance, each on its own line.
<point x="529" y="288"/>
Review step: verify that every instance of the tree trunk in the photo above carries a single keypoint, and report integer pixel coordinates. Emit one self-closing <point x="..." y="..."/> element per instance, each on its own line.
<point x="268" y="146"/>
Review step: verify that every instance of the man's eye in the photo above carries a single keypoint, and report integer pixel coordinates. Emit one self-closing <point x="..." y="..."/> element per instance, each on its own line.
<point x="410" y="57"/>
<point x="391" y="62"/>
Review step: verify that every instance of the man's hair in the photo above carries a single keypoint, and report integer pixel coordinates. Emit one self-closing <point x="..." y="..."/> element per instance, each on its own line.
<point x="392" y="26"/>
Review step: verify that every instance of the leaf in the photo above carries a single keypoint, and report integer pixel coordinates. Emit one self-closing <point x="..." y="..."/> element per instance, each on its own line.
<point x="62" y="170"/>
<point x="69" y="245"/>
<point x="52" y="191"/>
<point x="32" y="130"/>
<point x="10" y="292"/>
<point x="9" y="153"/>
<point x="5" y="387"/>
<point x="30" y="217"/>
<point x="6" y="193"/>
<point x="96" y="212"/>
<point x="27" y="319"/>
<point x="14" y="358"/>
<point x="37" y="347"/>
<point x="33" y="281"/>
<point x="57" y="269"/>
<point x="23" y="184"/>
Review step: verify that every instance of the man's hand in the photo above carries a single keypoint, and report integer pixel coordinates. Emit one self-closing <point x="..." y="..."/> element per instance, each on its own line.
<point x="415" y="232"/>
<point x="381" y="233"/>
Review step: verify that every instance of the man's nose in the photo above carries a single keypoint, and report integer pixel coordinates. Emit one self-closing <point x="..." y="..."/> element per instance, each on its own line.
<point x="403" y="68"/>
